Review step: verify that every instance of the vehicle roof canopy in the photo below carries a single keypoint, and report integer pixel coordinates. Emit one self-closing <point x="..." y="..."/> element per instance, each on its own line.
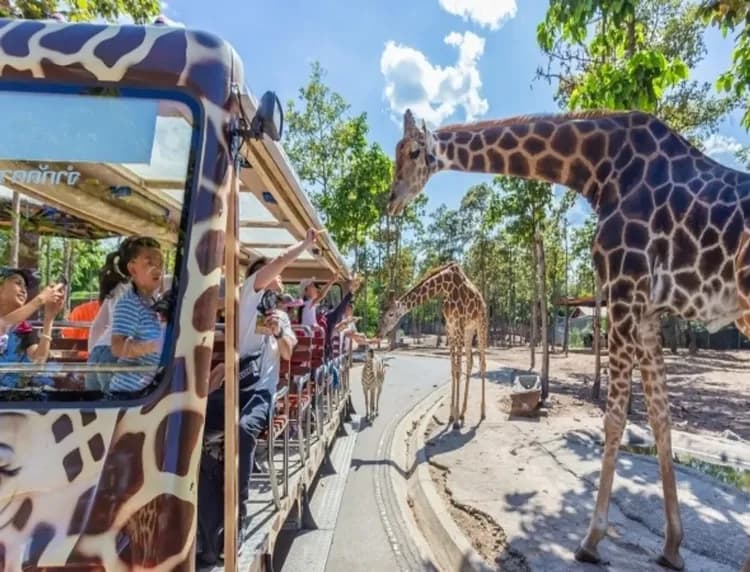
<point x="274" y="210"/>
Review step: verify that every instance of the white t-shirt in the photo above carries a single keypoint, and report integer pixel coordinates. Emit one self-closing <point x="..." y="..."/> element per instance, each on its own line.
<point x="251" y="343"/>
<point x="346" y="341"/>
<point x="100" y="333"/>
<point x="308" y="313"/>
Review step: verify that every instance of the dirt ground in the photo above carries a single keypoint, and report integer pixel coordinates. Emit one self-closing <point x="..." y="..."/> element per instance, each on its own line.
<point x="708" y="392"/>
<point x="707" y="395"/>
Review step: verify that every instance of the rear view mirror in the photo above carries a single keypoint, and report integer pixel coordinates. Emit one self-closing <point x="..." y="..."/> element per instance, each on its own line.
<point x="269" y="118"/>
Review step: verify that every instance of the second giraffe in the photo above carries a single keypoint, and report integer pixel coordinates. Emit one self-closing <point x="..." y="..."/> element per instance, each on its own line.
<point x="465" y="314"/>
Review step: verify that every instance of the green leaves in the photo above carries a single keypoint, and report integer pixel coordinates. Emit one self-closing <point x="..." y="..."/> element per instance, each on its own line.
<point x="142" y="11"/>
<point x="733" y="16"/>
<point x="628" y="54"/>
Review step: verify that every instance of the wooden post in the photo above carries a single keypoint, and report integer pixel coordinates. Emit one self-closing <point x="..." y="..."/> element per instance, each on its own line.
<point x="539" y="245"/>
<point x="566" y="335"/>
<point x="597" y="326"/>
<point x="534" y="304"/>
<point x="231" y="359"/>
<point x="15" y="230"/>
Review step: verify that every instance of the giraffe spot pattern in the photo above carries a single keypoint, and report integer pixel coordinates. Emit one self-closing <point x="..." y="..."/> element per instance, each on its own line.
<point x="62" y="427"/>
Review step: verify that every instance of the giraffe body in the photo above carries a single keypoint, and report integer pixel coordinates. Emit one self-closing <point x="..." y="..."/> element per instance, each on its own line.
<point x="373" y="377"/>
<point x="672" y="236"/>
<point x="112" y="485"/>
<point x="465" y="314"/>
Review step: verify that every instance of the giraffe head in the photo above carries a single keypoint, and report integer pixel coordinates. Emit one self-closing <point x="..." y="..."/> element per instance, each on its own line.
<point x="415" y="162"/>
<point x="390" y="317"/>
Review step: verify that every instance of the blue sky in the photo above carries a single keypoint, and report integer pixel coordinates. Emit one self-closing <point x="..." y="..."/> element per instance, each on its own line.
<point x="384" y="55"/>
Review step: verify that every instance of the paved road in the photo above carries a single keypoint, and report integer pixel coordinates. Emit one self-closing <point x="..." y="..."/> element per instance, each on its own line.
<point x="366" y="534"/>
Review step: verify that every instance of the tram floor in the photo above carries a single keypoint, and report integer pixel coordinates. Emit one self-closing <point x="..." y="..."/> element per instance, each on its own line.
<point x="266" y="521"/>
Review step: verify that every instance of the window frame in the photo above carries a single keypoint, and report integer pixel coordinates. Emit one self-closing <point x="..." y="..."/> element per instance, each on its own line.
<point x="34" y="398"/>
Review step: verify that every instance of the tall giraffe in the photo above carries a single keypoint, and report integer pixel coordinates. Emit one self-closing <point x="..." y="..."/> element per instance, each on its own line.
<point x="672" y="237"/>
<point x="465" y="314"/>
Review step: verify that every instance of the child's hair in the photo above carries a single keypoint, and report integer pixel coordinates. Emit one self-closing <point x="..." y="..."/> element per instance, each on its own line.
<point x="115" y="269"/>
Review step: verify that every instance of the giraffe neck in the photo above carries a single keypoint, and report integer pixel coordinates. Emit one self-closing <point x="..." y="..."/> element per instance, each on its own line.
<point x="584" y="151"/>
<point x="428" y="289"/>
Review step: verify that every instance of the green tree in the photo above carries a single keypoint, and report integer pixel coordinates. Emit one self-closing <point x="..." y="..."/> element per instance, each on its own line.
<point x="631" y="54"/>
<point x="82" y="10"/>
<point x="353" y="207"/>
<point x="733" y="16"/>
<point x="321" y="139"/>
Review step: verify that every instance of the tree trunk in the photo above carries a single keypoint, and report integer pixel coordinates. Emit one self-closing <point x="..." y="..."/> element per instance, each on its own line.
<point x="596" y="327"/>
<point x="15" y="233"/>
<point x="68" y="255"/>
<point x="539" y="246"/>
<point x="693" y="345"/>
<point x="534" y="302"/>
<point x="566" y="335"/>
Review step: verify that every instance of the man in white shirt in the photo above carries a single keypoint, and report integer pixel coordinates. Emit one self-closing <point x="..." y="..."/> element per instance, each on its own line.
<point x="260" y="357"/>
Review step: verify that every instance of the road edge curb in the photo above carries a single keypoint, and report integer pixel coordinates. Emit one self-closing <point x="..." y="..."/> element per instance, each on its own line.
<point x="438" y="537"/>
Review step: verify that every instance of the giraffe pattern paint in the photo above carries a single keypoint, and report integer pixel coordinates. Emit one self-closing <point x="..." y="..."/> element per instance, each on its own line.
<point x="114" y="487"/>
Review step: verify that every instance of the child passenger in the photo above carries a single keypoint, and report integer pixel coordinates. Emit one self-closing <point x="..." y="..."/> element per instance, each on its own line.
<point x="137" y="330"/>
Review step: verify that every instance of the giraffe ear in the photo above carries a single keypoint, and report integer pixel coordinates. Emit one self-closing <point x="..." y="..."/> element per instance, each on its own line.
<point x="424" y="127"/>
<point x="409" y="123"/>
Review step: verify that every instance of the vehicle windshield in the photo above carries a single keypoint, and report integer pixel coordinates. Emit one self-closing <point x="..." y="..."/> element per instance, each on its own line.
<point x="98" y="179"/>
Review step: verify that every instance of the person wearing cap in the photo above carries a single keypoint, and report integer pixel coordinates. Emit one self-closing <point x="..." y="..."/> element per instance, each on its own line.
<point x="288" y="302"/>
<point x="311" y="296"/>
<point x="19" y="343"/>
<point x="260" y="359"/>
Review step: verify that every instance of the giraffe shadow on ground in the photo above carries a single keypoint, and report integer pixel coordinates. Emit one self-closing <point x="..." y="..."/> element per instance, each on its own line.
<point x="548" y="530"/>
<point x="716" y="533"/>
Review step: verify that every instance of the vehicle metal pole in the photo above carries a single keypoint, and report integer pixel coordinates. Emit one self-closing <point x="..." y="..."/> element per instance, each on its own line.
<point x="231" y="410"/>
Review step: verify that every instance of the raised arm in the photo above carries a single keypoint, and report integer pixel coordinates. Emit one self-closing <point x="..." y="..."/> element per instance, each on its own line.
<point x="47" y="295"/>
<point x="271" y="270"/>
<point x="324" y="291"/>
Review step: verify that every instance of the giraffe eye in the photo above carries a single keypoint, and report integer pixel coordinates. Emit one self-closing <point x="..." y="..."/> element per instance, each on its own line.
<point x="414" y="154"/>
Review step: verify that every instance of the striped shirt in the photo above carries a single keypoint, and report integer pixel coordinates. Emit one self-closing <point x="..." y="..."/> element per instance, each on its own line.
<point x="133" y="318"/>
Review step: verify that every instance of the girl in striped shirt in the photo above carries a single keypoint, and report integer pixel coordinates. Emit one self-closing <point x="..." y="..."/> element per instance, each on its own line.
<point x="137" y="330"/>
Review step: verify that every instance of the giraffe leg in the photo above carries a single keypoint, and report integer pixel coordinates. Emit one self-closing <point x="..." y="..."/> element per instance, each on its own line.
<point x="620" y="366"/>
<point x="653" y="374"/>
<point x="451" y="419"/>
<point x="469" y="366"/>
<point x="483" y="363"/>
<point x="457" y="379"/>
<point x="367" y="407"/>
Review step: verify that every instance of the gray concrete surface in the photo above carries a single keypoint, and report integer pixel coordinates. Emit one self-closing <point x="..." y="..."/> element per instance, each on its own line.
<point x="537" y="479"/>
<point x="369" y="533"/>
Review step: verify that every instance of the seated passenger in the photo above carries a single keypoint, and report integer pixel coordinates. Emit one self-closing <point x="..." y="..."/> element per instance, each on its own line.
<point x="137" y="329"/>
<point x="334" y="316"/>
<point x="113" y="283"/>
<point x="347" y="329"/>
<point x="260" y="358"/>
<point x="19" y="343"/>
<point x="311" y="297"/>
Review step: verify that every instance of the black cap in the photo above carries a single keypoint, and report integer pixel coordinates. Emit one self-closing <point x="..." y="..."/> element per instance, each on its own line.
<point x="30" y="277"/>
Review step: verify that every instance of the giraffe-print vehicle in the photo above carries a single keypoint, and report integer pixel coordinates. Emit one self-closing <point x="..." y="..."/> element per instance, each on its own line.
<point x="110" y="132"/>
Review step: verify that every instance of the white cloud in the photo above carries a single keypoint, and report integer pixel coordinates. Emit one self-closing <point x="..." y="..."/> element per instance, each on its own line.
<point x="486" y="13"/>
<point x="720" y="144"/>
<point x="434" y="92"/>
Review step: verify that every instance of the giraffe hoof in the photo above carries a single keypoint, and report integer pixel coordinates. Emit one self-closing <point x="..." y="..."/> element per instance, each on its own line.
<point x="674" y="563"/>
<point x="456" y="425"/>
<point x="584" y="555"/>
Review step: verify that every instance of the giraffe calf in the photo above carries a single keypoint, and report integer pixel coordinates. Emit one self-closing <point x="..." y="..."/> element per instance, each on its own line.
<point x="373" y="376"/>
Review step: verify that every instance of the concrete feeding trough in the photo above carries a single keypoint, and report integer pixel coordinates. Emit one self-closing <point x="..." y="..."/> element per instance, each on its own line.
<point x="525" y="394"/>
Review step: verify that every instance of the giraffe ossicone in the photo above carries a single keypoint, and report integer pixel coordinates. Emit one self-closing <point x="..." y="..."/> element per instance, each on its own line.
<point x="465" y="314"/>
<point x="671" y="237"/>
